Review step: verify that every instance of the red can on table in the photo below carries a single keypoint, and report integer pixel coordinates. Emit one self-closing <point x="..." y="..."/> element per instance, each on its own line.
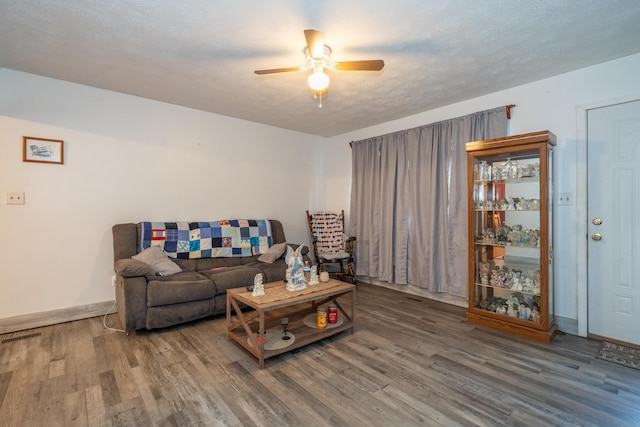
<point x="332" y="313"/>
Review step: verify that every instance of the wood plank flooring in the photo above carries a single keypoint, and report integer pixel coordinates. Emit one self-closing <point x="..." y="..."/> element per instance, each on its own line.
<point x="411" y="361"/>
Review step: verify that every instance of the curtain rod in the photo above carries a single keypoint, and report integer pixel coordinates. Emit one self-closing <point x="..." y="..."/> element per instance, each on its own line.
<point x="507" y="109"/>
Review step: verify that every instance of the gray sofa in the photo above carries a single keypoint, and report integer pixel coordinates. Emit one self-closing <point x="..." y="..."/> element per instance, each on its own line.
<point x="147" y="300"/>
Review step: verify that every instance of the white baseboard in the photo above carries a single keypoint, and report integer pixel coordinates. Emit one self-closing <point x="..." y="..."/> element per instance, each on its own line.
<point x="566" y="325"/>
<point x="46" y="318"/>
<point x="418" y="291"/>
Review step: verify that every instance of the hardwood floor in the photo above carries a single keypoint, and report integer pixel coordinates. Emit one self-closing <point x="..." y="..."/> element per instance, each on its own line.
<point x="411" y="361"/>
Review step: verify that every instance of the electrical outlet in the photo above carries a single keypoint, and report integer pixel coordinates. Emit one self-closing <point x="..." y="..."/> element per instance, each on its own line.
<point x="564" y="199"/>
<point x="14" y="198"/>
<point x="113" y="281"/>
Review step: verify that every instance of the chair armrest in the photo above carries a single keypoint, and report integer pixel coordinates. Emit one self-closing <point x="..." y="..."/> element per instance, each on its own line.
<point x="348" y="244"/>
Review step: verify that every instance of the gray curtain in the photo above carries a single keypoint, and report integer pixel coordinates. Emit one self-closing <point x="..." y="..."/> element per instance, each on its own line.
<point x="409" y="202"/>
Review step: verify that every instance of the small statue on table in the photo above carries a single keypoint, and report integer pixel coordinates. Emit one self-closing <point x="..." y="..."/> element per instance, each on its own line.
<point x="295" y="274"/>
<point x="258" y="286"/>
<point x="314" y="275"/>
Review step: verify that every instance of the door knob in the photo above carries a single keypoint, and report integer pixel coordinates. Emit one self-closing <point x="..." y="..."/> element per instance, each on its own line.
<point x="596" y="236"/>
<point x="596" y="221"/>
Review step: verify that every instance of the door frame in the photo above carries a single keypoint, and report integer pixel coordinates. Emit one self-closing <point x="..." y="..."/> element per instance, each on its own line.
<point x="581" y="203"/>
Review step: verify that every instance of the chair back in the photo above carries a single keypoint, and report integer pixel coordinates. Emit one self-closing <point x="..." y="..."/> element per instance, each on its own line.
<point x="331" y="247"/>
<point x="327" y="232"/>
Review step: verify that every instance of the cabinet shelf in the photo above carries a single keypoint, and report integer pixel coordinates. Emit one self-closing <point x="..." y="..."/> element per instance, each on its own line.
<point x="506" y="210"/>
<point x="524" y="179"/>
<point x="533" y="249"/>
<point x="511" y="235"/>
<point x="526" y="292"/>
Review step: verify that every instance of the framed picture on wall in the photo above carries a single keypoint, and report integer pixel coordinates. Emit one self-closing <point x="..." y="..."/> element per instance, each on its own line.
<point x="42" y="150"/>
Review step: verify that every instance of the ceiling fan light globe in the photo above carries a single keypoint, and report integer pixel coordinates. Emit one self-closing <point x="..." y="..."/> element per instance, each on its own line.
<point x="318" y="81"/>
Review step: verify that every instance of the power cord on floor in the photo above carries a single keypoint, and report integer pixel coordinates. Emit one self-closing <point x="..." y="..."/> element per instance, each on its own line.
<point x="104" y="321"/>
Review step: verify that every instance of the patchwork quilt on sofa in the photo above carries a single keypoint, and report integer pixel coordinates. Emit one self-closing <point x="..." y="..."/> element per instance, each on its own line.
<point x="192" y="240"/>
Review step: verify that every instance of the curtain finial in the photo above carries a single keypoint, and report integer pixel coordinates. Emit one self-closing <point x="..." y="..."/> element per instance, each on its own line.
<point x="508" y="108"/>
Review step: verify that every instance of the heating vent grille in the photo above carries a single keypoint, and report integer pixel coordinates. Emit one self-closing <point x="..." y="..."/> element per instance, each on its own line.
<point x="23" y="337"/>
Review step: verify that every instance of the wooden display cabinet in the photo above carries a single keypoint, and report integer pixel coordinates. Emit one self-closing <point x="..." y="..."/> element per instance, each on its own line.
<point x="511" y="234"/>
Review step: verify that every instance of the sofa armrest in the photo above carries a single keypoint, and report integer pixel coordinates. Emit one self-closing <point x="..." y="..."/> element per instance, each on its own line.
<point x="131" y="300"/>
<point x="131" y="292"/>
<point x="132" y="268"/>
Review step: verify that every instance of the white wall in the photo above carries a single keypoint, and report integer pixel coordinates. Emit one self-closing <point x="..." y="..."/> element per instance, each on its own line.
<point x="546" y="104"/>
<point x="127" y="159"/>
<point x="131" y="159"/>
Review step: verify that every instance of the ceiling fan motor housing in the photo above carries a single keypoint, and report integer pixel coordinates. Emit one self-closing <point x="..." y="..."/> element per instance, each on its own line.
<point x="318" y="64"/>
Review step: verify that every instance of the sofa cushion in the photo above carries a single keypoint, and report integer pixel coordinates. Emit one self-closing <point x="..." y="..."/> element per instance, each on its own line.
<point x="273" y="253"/>
<point x="205" y="264"/>
<point x="179" y="288"/>
<point x="169" y="315"/>
<point x="186" y="264"/>
<point x="158" y="261"/>
<point x="232" y="277"/>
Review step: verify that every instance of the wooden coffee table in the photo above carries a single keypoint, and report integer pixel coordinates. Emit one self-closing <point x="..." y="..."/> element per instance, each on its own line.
<point x="265" y="313"/>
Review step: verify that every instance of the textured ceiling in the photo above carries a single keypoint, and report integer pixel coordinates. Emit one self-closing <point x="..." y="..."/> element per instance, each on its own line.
<point x="202" y="53"/>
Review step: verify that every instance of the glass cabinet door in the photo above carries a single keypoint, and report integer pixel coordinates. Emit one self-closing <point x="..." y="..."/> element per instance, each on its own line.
<point x="507" y="235"/>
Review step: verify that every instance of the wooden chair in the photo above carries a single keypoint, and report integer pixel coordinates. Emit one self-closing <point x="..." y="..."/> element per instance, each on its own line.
<point x="332" y="249"/>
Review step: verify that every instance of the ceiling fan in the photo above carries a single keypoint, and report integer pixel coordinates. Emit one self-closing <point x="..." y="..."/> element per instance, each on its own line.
<point x="318" y="59"/>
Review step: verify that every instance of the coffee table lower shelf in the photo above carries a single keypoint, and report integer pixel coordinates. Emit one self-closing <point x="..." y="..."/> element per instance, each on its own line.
<point x="303" y="334"/>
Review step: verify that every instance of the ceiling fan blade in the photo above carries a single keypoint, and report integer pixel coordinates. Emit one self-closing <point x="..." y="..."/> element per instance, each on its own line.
<point x="372" y="65"/>
<point x="315" y="43"/>
<point x="278" y="70"/>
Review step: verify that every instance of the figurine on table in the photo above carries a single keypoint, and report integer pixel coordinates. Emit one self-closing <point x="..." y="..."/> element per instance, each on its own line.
<point x="258" y="286"/>
<point x="314" y="275"/>
<point x="294" y="274"/>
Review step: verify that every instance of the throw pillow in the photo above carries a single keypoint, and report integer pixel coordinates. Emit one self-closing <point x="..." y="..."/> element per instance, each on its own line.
<point x="158" y="261"/>
<point x="133" y="268"/>
<point x="273" y="253"/>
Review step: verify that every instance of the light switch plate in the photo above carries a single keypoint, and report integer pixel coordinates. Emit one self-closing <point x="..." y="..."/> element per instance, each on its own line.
<point x="15" y="198"/>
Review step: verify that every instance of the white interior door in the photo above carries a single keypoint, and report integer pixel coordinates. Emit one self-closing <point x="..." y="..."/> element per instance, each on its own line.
<point x="613" y="209"/>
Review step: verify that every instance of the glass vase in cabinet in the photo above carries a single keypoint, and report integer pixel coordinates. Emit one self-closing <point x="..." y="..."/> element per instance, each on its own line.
<point x="511" y="234"/>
